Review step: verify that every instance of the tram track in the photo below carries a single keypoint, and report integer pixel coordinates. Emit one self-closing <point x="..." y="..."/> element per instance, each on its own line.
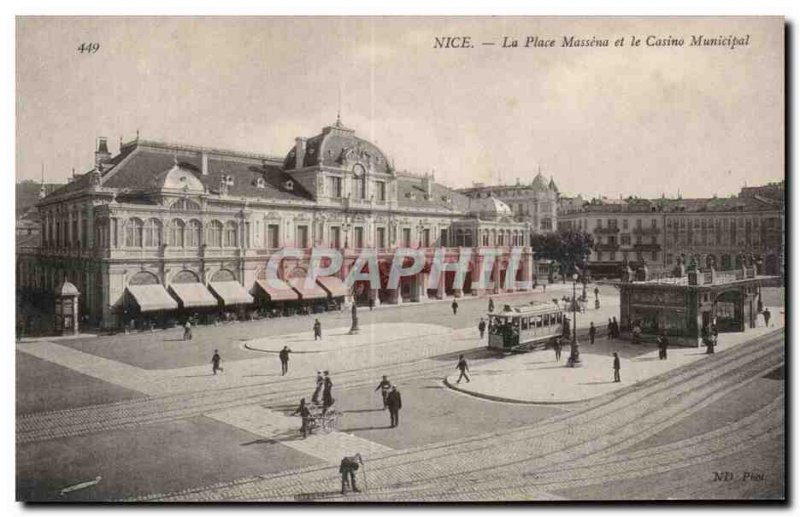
<point x="562" y="440"/>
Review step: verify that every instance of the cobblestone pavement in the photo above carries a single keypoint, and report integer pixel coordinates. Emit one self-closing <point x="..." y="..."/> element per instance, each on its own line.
<point x="474" y="468"/>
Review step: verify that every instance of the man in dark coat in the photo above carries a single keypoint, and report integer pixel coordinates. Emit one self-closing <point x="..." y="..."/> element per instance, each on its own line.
<point x="304" y="413"/>
<point x="491" y="305"/>
<point x="348" y="468"/>
<point x="284" y="357"/>
<point x="662" y="346"/>
<point x="394" y="403"/>
<point x="384" y="386"/>
<point x="557" y="348"/>
<point x="482" y="327"/>
<point x="317" y="330"/>
<point x="454" y="305"/>
<point x="592" y="333"/>
<point x="610" y="329"/>
<point x="464" y="367"/>
<point x="215" y="360"/>
<point x="616" y="368"/>
<point x="327" y="393"/>
<point x="767" y="315"/>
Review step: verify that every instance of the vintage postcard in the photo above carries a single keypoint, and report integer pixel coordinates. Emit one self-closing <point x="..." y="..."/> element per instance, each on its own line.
<point x="400" y="259"/>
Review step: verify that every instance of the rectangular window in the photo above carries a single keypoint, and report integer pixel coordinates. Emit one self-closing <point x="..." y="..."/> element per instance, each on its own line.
<point x="426" y="238"/>
<point x="272" y="236"/>
<point x="612" y="240"/>
<point x="638" y="223"/>
<point x="359" y="186"/>
<point x="335" y="237"/>
<point x="655" y="255"/>
<point x="301" y="238"/>
<point x="612" y="255"/>
<point x="625" y="239"/>
<point x="624" y="224"/>
<point x="599" y="256"/>
<point x="335" y="186"/>
<point x="443" y="238"/>
<point x="358" y="237"/>
<point x="653" y="223"/>
<point x="380" y="187"/>
<point x="380" y="237"/>
<point x="406" y="237"/>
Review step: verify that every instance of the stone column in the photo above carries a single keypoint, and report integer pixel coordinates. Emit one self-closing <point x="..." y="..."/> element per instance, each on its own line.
<point x="475" y="275"/>
<point x="496" y="276"/>
<point x="440" y="287"/>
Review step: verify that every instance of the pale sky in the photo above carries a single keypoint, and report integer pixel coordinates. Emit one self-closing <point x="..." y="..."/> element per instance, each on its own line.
<point x="602" y="121"/>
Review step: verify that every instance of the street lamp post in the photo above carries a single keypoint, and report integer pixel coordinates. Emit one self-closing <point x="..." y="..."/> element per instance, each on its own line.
<point x="574" y="353"/>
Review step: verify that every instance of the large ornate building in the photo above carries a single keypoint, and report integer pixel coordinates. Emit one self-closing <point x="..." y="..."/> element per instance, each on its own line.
<point x="170" y="229"/>
<point x="718" y="232"/>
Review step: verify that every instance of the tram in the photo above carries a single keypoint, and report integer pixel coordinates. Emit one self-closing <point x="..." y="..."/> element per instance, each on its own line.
<point x="522" y="328"/>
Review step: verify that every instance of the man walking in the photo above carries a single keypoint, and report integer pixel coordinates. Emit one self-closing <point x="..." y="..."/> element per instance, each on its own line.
<point x="615" y="326"/>
<point x="482" y="327"/>
<point x="454" y="305"/>
<point x="766" y="317"/>
<point x="491" y="304"/>
<point x="394" y="403"/>
<point x="384" y="386"/>
<point x="592" y="333"/>
<point x="317" y="330"/>
<point x="348" y="468"/>
<point x="464" y="367"/>
<point x="616" y="367"/>
<point x="215" y="360"/>
<point x="304" y="413"/>
<point x="284" y="357"/>
<point x="557" y="348"/>
<point x="187" y="331"/>
<point x="610" y="329"/>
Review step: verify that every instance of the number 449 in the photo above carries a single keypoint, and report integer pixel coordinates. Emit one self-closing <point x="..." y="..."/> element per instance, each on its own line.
<point x="88" y="48"/>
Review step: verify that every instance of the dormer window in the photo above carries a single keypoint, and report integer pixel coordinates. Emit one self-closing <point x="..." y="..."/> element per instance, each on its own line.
<point x="288" y="185"/>
<point x="228" y="180"/>
<point x="260" y="183"/>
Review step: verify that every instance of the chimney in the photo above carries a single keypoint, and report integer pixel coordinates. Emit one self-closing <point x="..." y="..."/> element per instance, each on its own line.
<point x="427" y="185"/>
<point x="101" y="155"/>
<point x="300" y="152"/>
<point x="204" y="164"/>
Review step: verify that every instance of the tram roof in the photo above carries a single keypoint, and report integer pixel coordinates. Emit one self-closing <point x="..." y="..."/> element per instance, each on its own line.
<point x="528" y="309"/>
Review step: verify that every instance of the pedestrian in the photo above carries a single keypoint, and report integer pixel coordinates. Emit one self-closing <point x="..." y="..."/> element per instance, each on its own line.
<point x="766" y="317"/>
<point x="187" y="331"/>
<point x="327" y="393"/>
<point x="592" y="333"/>
<point x="610" y="329"/>
<point x="615" y="326"/>
<point x="317" y="330"/>
<point x="557" y="348"/>
<point x="348" y="468"/>
<point x="318" y="389"/>
<point x="709" y="340"/>
<point x="284" y="357"/>
<point x="482" y="327"/>
<point x="661" y="340"/>
<point x="616" y="367"/>
<point x="596" y="293"/>
<point x="215" y="360"/>
<point x="394" y="403"/>
<point x="464" y="367"/>
<point x="371" y="303"/>
<point x="304" y="413"/>
<point x="454" y="305"/>
<point x="384" y="386"/>
<point x="491" y="304"/>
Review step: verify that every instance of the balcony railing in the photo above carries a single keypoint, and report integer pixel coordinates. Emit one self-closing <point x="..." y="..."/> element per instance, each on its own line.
<point x="606" y="247"/>
<point x="647" y="247"/>
<point x="646" y="231"/>
<point x="607" y="231"/>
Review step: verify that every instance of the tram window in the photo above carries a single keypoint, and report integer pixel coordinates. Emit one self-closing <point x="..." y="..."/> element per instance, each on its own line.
<point x="524" y="323"/>
<point x="538" y="321"/>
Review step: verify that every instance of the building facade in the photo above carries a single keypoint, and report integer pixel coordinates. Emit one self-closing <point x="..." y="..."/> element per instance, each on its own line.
<point x="197" y="226"/>
<point x="714" y="232"/>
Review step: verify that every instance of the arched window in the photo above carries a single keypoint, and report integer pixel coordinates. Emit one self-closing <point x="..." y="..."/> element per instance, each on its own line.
<point x="230" y="234"/>
<point x="193" y="234"/>
<point x="215" y="234"/>
<point x="133" y="233"/>
<point x="177" y="233"/>
<point x="184" y="204"/>
<point x="152" y="233"/>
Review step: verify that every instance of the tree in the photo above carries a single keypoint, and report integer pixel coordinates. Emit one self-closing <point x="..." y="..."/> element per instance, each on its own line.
<point x="568" y="248"/>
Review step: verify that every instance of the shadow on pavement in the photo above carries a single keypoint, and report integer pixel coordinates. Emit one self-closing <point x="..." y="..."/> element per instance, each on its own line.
<point x="471" y="354"/>
<point x="372" y="428"/>
<point x="362" y="410"/>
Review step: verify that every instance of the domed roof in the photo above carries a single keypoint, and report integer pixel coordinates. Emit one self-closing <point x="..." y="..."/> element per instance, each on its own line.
<point x="489" y="207"/>
<point x="337" y="146"/>
<point x="539" y="183"/>
<point x="67" y="289"/>
<point x="179" y="177"/>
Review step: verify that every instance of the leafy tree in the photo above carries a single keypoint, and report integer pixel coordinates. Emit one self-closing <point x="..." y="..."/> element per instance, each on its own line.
<point x="568" y="248"/>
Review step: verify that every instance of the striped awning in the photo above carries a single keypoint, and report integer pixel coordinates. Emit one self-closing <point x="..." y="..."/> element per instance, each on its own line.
<point x="231" y="292"/>
<point x="312" y="293"/>
<point x="334" y="286"/>
<point x="279" y="292"/>
<point x="194" y="294"/>
<point x="152" y="297"/>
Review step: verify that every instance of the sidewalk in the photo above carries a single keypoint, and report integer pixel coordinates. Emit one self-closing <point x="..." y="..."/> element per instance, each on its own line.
<point x="536" y="377"/>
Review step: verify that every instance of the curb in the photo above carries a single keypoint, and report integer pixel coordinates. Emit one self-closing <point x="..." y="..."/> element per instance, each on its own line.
<point x="495" y="398"/>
